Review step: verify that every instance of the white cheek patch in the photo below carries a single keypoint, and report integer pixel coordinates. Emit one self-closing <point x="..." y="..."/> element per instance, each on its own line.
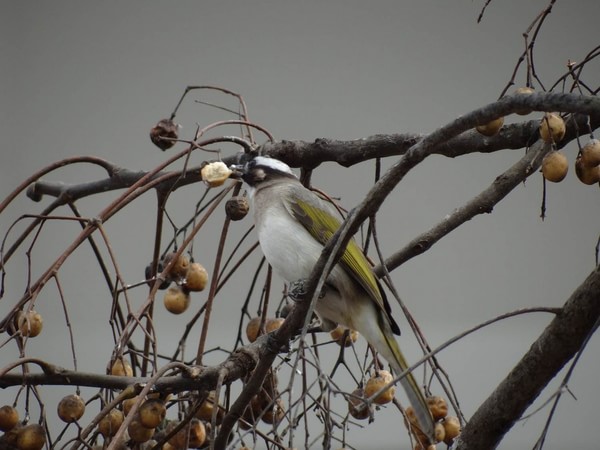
<point x="273" y="163"/>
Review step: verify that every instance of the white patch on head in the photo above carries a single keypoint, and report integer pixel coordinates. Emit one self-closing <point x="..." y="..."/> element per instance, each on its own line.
<point x="273" y="163"/>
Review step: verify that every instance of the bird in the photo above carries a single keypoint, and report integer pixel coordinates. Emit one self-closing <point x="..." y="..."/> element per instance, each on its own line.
<point x="293" y="225"/>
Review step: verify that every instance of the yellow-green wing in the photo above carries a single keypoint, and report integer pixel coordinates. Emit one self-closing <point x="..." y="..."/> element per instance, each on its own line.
<point x="322" y="225"/>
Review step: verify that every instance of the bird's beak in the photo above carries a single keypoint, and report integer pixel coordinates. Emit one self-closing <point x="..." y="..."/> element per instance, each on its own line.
<point x="237" y="170"/>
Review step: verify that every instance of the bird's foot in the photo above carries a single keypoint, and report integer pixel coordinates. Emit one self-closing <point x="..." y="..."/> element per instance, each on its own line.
<point x="298" y="291"/>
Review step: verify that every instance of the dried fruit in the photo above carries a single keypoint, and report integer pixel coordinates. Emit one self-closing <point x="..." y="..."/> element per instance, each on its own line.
<point x="176" y="300"/>
<point x="452" y="429"/>
<point x="552" y="128"/>
<point x="148" y="273"/>
<point x="9" y="418"/>
<point x="110" y="423"/>
<point x="491" y="128"/>
<point x="30" y="323"/>
<point x="437" y="407"/>
<point x="214" y="174"/>
<point x="138" y="432"/>
<point x="357" y="406"/>
<point x="206" y="410"/>
<point x="192" y="435"/>
<point x="180" y="267"/>
<point x="71" y="408"/>
<point x="339" y="335"/>
<point x="590" y="153"/>
<point x="273" y="324"/>
<point x="121" y="368"/>
<point x="524" y="90"/>
<point x="163" y="133"/>
<point x="439" y="432"/>
<point x="587" y="175"/>
<point x="274" y="412"/>
<point x="378" y="381"/>
<point x="555" y="166"/>
<point x="152" y="413"/>
<point x="128" y="404"/>
<point x="196" y="277"/>
<point x="31" y="437"/>
<point x="412" y="424"/>
<point x="253" y="329"/>
<point x="237" y="208"/>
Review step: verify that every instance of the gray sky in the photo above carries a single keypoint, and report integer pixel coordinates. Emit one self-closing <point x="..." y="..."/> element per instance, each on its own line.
<point x="91" y="78"/>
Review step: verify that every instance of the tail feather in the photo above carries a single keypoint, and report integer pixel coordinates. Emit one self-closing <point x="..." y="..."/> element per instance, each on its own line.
<point x="412" y="389"/>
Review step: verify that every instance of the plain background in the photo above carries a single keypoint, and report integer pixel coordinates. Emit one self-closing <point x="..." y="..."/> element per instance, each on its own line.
<point x="91" y="78"/>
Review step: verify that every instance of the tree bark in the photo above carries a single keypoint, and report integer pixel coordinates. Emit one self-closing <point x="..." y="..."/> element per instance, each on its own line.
<point x="559" y="342"/>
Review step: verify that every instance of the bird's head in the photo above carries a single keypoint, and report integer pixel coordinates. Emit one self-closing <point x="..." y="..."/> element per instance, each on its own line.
<point x="262" y="169"/>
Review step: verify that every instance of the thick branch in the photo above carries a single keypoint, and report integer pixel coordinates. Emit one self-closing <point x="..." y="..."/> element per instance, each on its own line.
<point x="236" y="366"/>
<point x="559" y="342"/>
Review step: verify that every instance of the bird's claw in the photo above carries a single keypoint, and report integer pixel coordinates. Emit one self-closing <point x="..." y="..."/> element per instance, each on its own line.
<point x="297" y="290"/>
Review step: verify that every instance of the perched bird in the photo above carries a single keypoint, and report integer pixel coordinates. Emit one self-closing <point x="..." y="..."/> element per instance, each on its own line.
<point x="293" y="225"/>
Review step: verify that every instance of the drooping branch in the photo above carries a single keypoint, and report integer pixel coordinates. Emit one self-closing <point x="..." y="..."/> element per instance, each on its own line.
<point x="557" y="344"/>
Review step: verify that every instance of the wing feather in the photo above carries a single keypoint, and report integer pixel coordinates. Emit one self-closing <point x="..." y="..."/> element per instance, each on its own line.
<point x="322" y="225"/>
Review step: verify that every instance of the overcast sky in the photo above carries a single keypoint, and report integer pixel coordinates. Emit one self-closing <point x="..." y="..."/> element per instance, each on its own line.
<point x="91" y="78"/>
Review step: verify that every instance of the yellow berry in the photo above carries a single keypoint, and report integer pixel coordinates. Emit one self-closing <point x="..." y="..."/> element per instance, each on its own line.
<point x="587" y="175"/>
<point x="9" y="417"/>
<point x="552" y="128"/>
<point x="196" y="277"/>
<point x="71" y="408"/>
<point x="524" y="90"/>
<point x="176" y="300"/>
<point x="491" y="128"/>
<point x="338" y="333"/>
<point x="381" y="379"/>
<point x="30" y="323"/>
<point x="590" y="153"/>
<point x="555" y="166"/>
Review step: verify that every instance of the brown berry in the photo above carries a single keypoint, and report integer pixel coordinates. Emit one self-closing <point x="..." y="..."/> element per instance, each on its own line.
<point x="31" y="437"/>
<point x="339" y="335"/>
<point x="377" y="382"/>
<point x="439" y="432"/>
<point x="110" y="423"/>
<point x="555" y="166"/>
<point x="437" y="407"/>
<point x="587" y="175"/>
<point x="274" y="413"/>
<point x="452" y="429"/>
<point x="273" y="324"/>
<point x="253" y="329"/>
<point x="138" y="432"/>
<point x="176" y="300"/>
<point x="207" y="409"/>
<point x="30" y="323"/>
<point x="180" y="267"/>
<point x="412" y="424"/>
<point x="527" y="91"/>
<point x="163" y="133"/>
<point x="152" y="413"/>
<point x="128" y="404"/>
<point x="552" y="128"/>
<point x="196" y="277"/>
<point x="71" y="408"/>
<point x="121" y="368"/>
<point x="491" y="128"/>
<point x="237" y="208"/>
<point x="192" y="435"/>
<point x="9" y="417"/>
<point x="590" y="153"/>
<point x="357" y="406"/>
<point x="214" y="174"/>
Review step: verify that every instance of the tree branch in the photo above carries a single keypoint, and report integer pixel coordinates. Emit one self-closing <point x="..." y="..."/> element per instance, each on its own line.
<point x="557" y="344"/>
